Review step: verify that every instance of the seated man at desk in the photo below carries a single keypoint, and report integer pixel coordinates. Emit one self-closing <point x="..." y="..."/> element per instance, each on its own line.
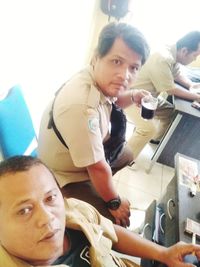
<point x="82" y="113"/>
<point x="158" y="75"/>
<point x="39" y="228"/>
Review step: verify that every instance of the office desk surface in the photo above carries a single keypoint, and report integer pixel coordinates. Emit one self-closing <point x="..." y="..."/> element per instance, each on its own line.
<point x="186" y="137"/>
<point x="184" y="106"/>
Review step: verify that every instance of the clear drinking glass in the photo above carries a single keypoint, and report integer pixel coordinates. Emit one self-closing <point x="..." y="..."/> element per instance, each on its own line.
<point x="149" y="105"/>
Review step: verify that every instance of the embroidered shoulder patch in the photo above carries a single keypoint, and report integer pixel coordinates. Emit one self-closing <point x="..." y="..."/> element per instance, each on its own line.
<point x="93" y="124"/>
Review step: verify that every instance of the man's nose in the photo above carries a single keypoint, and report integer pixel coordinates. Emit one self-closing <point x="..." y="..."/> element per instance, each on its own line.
<point x="125" y="74"/>
<point x="44" y="216"/>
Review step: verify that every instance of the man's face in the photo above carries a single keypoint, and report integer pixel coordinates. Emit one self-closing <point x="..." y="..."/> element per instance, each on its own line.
<point x="116" y="71"/>
<point x="32" y="216"/>
<point x="188" y="56"/>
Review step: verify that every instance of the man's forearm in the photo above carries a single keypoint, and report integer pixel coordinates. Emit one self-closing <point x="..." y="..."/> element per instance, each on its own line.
<point x="131" y="243"/>
<point x="184" y="81"/>
<point x="132" y="96"/>
<point x="101" y="178"/>
<point x="183" y="93"/>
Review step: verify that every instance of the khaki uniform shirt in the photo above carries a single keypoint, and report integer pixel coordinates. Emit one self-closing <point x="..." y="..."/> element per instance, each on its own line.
<point x="82" y="116"/>
<point x="158" y="73"/>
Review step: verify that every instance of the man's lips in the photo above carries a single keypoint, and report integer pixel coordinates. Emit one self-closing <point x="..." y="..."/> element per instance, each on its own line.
<point x="120" y="85"/>
<point x="49" y="236"/>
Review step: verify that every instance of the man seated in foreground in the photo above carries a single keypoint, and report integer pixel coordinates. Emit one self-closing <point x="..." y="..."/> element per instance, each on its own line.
<point x="39" y="228"/>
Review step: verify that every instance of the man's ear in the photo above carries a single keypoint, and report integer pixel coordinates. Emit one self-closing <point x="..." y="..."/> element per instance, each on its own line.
<point x="184" y="51"/>
<point x="94" y="59"/>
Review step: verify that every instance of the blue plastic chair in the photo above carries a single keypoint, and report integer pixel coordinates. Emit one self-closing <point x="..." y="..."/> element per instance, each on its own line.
<point x="17" y="134"/>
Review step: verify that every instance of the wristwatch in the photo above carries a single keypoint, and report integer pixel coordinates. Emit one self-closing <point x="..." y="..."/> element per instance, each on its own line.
<point x="114" y="203"/>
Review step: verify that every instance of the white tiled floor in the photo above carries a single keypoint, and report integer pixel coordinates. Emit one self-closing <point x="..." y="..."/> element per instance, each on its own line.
<point x="140" y="187"/>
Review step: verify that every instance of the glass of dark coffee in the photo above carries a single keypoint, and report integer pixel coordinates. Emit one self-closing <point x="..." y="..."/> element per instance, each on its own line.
<point x="149" y="105"/>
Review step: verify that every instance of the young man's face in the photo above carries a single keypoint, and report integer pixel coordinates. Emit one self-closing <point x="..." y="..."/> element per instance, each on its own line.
<point x="116" y="71"/>
<point x="188" y="56"/>
<point x="32" y="216"/>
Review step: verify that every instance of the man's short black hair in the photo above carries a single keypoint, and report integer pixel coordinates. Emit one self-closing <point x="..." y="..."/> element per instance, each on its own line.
<point x="133" y="38"/>
<point x="18" y="164"/>
<point x="191" y="41"/>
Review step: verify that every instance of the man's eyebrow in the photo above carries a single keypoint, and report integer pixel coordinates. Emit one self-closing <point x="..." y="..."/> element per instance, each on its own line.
<point x="122" y="58"/>
<point x="136" y="65"/>
<point x="23" y="201"/>
<point x="118" y="56"/>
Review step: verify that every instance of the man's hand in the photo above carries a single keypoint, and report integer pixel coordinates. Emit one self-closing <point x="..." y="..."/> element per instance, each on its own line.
<point x="174" y="255"/>
<point x="195" y="89"/>
<point x="197" y="98"/>
<point x="122" y="214"/>
<point x="130" y="97"/>
<point x="137" y="95"/>
<point x="195" y="86"/>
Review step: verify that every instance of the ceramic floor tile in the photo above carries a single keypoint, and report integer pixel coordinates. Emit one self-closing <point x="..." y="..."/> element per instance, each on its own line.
<point x="115" y="183"/>
<point x="144" y="159"/>
<point x="141" y="187"/>
<point x="147" y="152"/>
<point x="140" y="180"/>
<point x="136" y="220"/>
<point x="139" y="199"/>
<point x="116" y="177"/>
<point x="168" y="174"/>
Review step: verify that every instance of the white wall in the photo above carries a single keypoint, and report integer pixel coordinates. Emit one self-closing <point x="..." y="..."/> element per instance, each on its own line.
<point x="43" y="42"/>
<point x="164" y="21"/>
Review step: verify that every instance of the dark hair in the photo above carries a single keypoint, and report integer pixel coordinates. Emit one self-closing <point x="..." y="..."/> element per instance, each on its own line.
<point x="133" y="38"/>
<point x="18" y="164"/>
<point x="191" y="41"/>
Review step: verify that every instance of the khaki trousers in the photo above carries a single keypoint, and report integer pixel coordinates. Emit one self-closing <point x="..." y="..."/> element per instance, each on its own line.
<point x="86" y="192"/>
<point x="145" y="130"/>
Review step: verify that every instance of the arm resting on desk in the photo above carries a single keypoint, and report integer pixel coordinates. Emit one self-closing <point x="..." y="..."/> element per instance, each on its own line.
<point x="182" y="89"/>
<point x="183" y="93"/>
<point x="183" y="81"/>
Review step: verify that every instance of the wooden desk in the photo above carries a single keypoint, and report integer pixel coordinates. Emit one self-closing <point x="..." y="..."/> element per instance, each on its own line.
<point x="183" y="135"/>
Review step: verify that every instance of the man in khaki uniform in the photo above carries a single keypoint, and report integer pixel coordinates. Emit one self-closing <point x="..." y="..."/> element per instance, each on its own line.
<point x="39" y="228"/>
<point x="81" y="113"/>
<point x="157" y="76"/>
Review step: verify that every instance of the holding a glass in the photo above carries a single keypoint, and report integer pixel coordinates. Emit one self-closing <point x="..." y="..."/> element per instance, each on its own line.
<point x="149" y="105"/>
